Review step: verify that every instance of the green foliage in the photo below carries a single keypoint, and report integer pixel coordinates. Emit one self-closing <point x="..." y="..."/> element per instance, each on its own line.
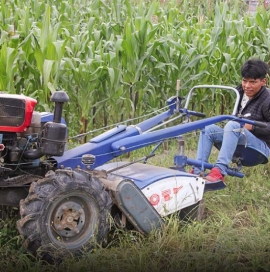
<point x="125" y="56"/>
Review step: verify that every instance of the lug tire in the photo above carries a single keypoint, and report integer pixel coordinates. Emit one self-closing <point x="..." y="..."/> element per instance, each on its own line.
<point x="65" y="213"/>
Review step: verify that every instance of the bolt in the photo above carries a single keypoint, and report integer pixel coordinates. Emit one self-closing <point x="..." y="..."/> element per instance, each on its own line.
<point x="80" y="211"/>
<point x="70" y="219"/>
<point x="58" y="227"/>
<point x="76" y="230"/>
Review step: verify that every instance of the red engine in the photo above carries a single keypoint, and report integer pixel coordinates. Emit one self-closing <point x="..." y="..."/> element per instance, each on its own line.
<point x="15" y="112"/>
<point x="25" y="139"/>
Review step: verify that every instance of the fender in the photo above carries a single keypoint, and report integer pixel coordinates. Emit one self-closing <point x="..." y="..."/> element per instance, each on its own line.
<point x="167" y="190"/>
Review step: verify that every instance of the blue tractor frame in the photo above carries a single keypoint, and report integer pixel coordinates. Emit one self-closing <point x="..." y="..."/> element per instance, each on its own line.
<point x="123" y="139"/>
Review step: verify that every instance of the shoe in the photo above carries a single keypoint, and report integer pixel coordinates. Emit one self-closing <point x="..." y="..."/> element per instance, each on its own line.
<point x="214" y="175"/>
<point x="214" y="180"/>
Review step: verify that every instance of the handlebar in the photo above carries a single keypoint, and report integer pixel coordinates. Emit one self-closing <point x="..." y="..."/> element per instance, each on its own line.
<point x="199" y="114"/>
<point x="239" y="119"/>
<point x="248" y="121"/>
<point x="195" y="113"/>
<point x="259" y="124"/>
<point x="228" y="88"/>
<point x="252" y="122"/>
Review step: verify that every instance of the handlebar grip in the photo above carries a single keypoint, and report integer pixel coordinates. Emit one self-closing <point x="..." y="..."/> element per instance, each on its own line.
<point x="195" y="113"/>
<point x="260" y="124"/>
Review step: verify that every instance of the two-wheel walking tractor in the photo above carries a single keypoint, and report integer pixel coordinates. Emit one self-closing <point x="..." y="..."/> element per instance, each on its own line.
<point x="67" y="198"/>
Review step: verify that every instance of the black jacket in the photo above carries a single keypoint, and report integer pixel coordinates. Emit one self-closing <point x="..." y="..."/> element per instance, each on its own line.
<point x="259" y="108"/>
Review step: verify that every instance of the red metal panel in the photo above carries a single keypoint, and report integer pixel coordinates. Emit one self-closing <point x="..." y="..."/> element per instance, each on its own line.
<point x="28" y="112"/>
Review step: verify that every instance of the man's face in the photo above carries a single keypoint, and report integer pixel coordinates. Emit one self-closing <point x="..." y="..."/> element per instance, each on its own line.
<point x="252" y="86"/>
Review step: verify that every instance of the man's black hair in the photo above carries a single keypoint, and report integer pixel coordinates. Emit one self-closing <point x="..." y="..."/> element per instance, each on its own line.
<point x="254" y="68"/>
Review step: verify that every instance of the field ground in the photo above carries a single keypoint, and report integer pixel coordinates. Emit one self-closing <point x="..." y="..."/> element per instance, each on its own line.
<point x="234" y="235"/>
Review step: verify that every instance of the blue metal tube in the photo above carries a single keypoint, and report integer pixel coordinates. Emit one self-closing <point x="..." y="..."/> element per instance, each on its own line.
<point x="132" y="143"/>
<point x="230" y="171"/>
<point x="100" y="146"/>
<point x="145" y="125"/>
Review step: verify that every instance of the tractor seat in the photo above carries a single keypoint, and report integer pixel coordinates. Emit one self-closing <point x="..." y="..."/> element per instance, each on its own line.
<point x="246" y="156"/>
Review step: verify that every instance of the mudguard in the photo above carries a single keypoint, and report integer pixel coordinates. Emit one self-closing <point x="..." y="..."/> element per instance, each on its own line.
<point x="165" y="189"/>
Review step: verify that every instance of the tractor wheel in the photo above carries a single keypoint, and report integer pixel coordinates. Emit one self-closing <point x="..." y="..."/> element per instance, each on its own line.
<point x="66" y="212"/>
<point x="193" y="212"/>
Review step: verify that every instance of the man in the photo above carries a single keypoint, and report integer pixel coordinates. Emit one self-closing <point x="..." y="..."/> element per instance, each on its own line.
<point x="255" y="101"/>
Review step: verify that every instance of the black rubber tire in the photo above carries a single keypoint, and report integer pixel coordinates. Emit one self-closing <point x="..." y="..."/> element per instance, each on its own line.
<point x="193" y="212"/>
<point x="66" y="212"/>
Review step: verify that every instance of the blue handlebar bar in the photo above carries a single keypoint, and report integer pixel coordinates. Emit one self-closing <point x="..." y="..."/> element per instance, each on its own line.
<point x="239" y="119"/>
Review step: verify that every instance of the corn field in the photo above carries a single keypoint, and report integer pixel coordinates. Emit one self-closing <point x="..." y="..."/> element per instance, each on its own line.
<point x="121" y="59"/>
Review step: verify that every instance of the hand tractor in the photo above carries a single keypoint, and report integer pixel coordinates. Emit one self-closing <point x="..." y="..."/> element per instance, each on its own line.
<point x="67" y="198"/>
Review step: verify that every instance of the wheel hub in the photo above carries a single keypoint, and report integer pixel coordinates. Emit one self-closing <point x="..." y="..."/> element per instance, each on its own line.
<point x="69" y="219"/>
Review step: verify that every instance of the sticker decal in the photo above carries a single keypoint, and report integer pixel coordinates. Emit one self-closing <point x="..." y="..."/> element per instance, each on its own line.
<point x="154" y="199"/>
<point x="166" y="194"/>
<point x="176" y="190"/>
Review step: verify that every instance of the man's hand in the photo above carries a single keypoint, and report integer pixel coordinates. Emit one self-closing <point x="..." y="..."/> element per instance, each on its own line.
<point x="248" y="127"/>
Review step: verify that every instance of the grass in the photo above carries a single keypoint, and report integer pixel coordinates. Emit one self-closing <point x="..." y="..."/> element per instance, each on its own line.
<point x="234" y="234"/>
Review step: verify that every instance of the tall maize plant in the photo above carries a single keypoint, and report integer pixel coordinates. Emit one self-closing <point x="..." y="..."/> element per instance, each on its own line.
<point x="121" y="59"/>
